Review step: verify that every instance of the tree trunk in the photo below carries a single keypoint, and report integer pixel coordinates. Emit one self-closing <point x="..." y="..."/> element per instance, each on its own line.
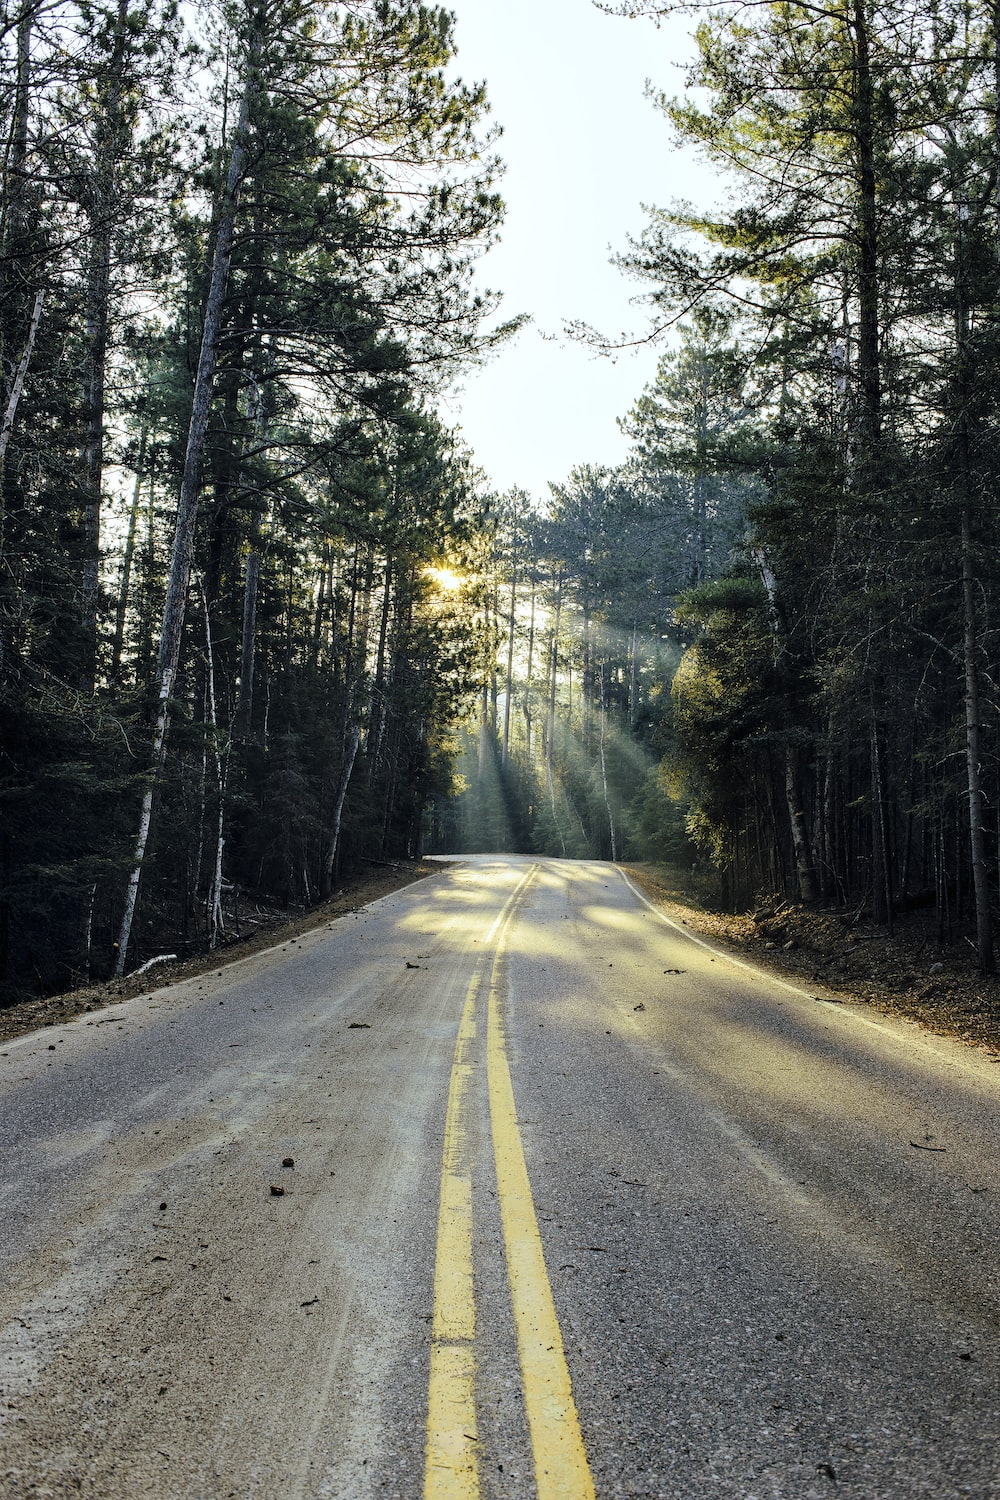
<point x="604" y="773"/>
<point x="973" y="754"/>
<point x="7" y="424"/>
<point x="377" y="712"/>
<point x="553" y="679"/>
<point x="883" y="891"/>
<point x="970" y="643"/>
<point x="187" y="509"/>
<point x="213" y="904"/>
<point x="509" y="682"/>
<point x="633" y="675"/>
<point x="111" y="144"/>
<point x="805" y="869"/>
<point x="484" y="731"/>
<point x="527" y="675"/>
<point x="248" y="646"/>
<point x="121" y="608"/>
<point x="333" y="837"/>
<point x="869" y="368"/>
<point x="551" y="719"/>
<point x="995" y="19"/>
<point x="17" y="385"/>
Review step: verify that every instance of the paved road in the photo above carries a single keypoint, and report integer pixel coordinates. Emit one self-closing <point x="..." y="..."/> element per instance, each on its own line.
<point x="578" y="1206"/>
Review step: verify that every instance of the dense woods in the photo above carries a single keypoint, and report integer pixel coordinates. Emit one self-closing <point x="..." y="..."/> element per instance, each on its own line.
<point x="790" y="597"/>
<point x="236" y="272"/>
<point x="840" y="700"/>
<point x="259" y="619"/>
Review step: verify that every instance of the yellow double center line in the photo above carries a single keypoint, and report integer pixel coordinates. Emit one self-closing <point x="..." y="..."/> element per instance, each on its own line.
<point x="560" y="1459"/>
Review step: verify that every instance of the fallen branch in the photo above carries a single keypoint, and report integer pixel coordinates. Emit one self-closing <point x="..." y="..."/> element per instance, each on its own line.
<point x="164" y="958"/>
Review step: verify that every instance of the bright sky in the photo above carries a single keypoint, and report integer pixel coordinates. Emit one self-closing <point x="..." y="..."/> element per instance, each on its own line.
<point x="584" y="150"/>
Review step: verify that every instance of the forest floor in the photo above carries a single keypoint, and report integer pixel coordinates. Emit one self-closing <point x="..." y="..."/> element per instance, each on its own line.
<point x="273" y="926"/>
<point x="908" y="974"/>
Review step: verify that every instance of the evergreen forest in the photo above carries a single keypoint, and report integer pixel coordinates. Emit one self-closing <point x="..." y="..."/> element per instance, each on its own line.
<point x="262" y="621"/>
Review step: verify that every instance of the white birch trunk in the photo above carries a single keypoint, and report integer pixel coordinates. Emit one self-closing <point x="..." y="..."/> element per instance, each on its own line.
<point x="350" y="755"/>
<point x="19" y="377"/>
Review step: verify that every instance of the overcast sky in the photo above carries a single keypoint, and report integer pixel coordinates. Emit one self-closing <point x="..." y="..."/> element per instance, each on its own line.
<point x="584" y="150"/>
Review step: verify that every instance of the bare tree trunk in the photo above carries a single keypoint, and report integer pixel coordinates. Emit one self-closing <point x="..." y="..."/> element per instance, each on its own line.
<point x="7" y="424"/>
<point x="484" y="730"/>
<point x="213" y="904"/>
<point x="333" y="836"/>
<point x="509" y="683"/>
<point x="883" y="842"/>
<point x="970" y="642"/>
<point x="551" y="719"/>
<point x="604" y="772"/>
<point x="527" y="675"/>
<point x="88" y="935"/>
<point x="973" y="754"/>
<point x="248" y="645"/>
<point x="869" y="369"/>
<point x="17" y="385"/>
<point x="586" y="672"/>
<point x="633" y="681"/>
<point x="14" y="197"/>
<point x="102" y="207"/>
<point x="553" y="678"/>
<point x="805" y="869"/>
<point x="121" y="607"/>
<point x="377" y="712"/>
<point x="187" y="508"/>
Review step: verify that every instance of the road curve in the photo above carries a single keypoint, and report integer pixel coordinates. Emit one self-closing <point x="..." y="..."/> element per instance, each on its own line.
<point x="576" y="1205"/>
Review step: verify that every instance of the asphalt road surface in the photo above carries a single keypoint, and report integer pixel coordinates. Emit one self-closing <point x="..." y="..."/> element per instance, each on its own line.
<point x="507" y="1186"/>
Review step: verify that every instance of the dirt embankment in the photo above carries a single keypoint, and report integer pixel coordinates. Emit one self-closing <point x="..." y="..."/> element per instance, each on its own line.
<point x="53" y="1010"/>
<point x="903" y="975"/>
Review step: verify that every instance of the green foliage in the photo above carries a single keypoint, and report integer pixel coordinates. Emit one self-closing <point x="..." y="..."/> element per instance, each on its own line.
<point x="322" y="677"/>
<point x="835" y="719"/>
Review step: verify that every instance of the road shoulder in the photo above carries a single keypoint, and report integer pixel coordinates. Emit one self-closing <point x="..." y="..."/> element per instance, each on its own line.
<point x="903" y="976"/>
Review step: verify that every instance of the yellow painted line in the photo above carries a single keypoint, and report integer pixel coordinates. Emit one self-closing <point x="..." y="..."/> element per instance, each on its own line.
<point x="451" y="1469"/>
<point x="561" y="1468"/>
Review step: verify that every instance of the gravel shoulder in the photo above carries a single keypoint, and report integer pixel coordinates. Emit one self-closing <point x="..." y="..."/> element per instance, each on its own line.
<point x="908" y="975"/>
<point x="274" y="927"/>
